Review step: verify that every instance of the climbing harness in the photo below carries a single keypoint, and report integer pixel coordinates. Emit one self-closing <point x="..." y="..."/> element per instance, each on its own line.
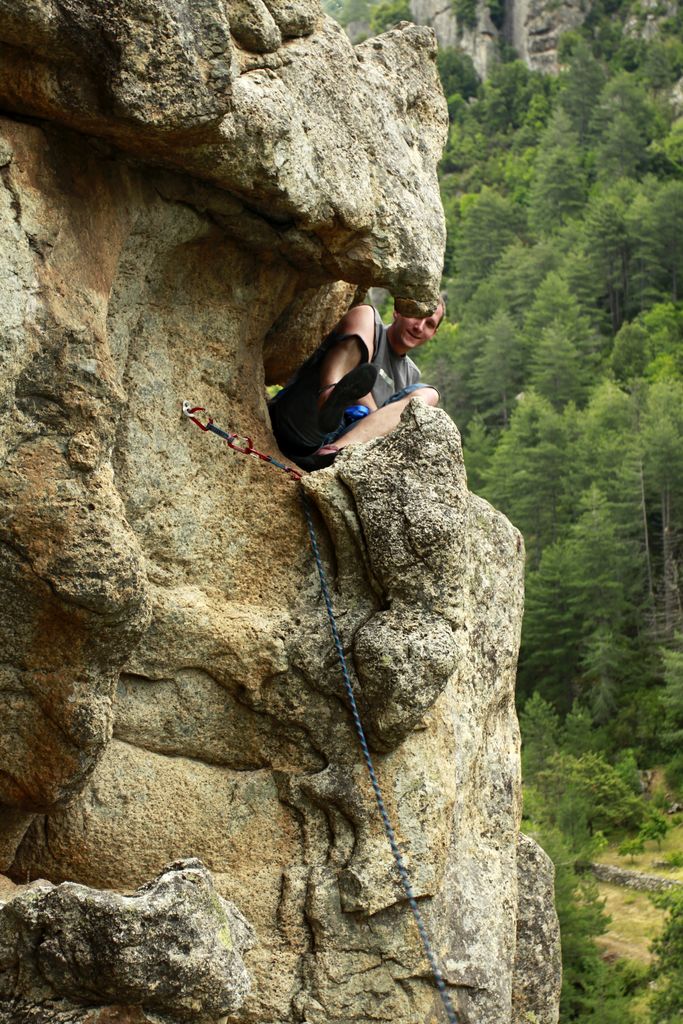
<point x="248" y="449"/>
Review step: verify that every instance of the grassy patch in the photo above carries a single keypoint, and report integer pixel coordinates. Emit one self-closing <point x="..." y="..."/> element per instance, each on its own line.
<point x="635" y="923"/>
<point x="646" y="861"/>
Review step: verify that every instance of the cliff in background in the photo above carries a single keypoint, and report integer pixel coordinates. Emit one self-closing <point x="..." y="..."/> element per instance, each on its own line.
<point x="190" y="194"/>
<point x="531" y="27"/>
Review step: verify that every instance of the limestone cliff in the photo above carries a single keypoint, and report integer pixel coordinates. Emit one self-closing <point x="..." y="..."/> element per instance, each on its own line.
<point x="531" y="27"/>
<point x="480" y="41"/>
<point x="534" y="27"/>
<point x="190" y="193"/>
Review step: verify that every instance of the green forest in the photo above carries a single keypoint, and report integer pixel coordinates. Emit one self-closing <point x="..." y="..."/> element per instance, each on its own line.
<point x="561" y="361"/>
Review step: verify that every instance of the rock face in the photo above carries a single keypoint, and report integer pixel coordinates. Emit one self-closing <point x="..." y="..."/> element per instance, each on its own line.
<point x="534" y="27"/>
<point x="439" y="14"/>
<point x="479" y="41"/>
<point x="538" y="963"/>
<point x="174" y="221"/>
<point x="173" y="948"/>
<point x="644" y="22"/>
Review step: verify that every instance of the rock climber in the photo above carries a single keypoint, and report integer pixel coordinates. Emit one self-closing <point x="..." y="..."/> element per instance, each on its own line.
<point x="354" y="387"/>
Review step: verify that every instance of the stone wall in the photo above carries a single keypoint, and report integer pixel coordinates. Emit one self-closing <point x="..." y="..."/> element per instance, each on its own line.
<point x="633" y="879"/>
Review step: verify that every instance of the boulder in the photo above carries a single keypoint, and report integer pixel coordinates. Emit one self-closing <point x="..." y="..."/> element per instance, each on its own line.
<point x="172" y="950"/>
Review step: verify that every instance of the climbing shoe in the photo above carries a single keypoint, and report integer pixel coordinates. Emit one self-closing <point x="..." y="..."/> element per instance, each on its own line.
<point x="349" y="389"/>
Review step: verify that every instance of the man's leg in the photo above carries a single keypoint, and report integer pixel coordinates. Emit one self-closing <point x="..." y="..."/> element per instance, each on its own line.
<point x="346" y="377"/>
<point x="384" y="420"/>
<point x="338" y="361"/>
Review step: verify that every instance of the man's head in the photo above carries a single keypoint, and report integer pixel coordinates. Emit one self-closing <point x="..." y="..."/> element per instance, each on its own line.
<point x="408" y="332"/>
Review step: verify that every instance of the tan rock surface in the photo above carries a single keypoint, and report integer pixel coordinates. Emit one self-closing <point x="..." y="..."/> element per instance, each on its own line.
<point x="538" y="960"/>
<point x="294" y="787"/>
<point x="69" y="558"/>
<point x="480" y="40"/>
<point x="169" y="681"/>
<point x="534" y="28"/>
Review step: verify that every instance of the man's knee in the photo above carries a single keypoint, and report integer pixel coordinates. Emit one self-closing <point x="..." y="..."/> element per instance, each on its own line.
<point x="427" y="394"/>
<point x="352" y="349"/>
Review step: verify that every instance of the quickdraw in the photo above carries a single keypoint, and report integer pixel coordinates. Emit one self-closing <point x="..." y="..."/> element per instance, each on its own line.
<point x="248" y="449"/>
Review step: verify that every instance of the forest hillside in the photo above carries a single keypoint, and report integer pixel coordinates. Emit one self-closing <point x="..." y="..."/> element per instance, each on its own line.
<point x="562" y="363"/>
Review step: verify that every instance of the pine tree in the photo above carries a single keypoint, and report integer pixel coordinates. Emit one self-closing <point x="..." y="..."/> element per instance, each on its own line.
<point x="558" y="191"/>
<point x="587" y="793"/>
<point x="580" y="88"/>
<point x="646" y="273"/>
<point x="490" y="223"/>
<point x="556" y="371"/>
<point x="507" y="94"/>
<point x="578" y="735"/>
<point x="662" y="439"/>
<point x="555" y="305"/>
<point x="457" y="73"/>
<point x="540" y="726"/>
<point x="498" y="368"/>
<point x="609" y="245"/>
<point x="623" y="94"/>
<point x="663" y="326"/>
<point x="521" y="270"/>
<point x="629" y="354"/>
<point x="591" y="993"/>
<point x="662" y="63"/>
<point x="577" y="269"/>
<point x="672" y="697"/>
<point x="666" y="1005"/>
<point x="478" y="447"/>
<point x="608" y="452"/>
<point x="621" y="152"/>
<point x="604" y="571"/>
<point x="528" y="478"/>
<point x="654" y="828"/>
<point x="667" y="230"/>
<point x="551" y="631"/>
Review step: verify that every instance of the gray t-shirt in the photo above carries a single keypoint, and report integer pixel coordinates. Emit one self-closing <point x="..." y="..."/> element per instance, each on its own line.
<point x="395" y="372"/>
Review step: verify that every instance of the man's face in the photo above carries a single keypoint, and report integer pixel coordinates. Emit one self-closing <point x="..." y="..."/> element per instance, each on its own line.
<point x="407" y="332"/>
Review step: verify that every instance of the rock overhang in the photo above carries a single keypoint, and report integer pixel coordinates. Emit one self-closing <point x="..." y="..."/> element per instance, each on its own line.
<point x="335" y="147"/>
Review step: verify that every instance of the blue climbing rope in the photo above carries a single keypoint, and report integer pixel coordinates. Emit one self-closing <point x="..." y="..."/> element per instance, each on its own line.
<point x="248" y="449"/>
<point x="391" y="836"/>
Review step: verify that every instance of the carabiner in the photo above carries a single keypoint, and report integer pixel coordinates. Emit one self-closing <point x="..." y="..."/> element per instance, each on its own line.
<point x="189" y="409"/>
<point x="249" y="450"/>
